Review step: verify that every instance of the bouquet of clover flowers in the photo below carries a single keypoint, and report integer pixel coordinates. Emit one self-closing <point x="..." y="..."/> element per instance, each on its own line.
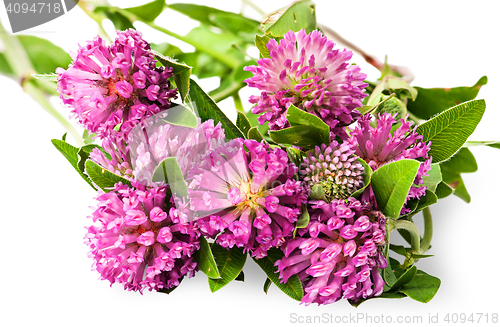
<point x="310" y="184"/>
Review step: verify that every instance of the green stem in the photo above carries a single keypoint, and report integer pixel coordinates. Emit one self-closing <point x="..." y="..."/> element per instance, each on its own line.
<point x="16" y="55"/>
<point x="426" y="240"/>
<point x="412" y="229"/>
<point x="237" y="102"/>
<point x="20" y="63"/>
<point x="32" y="89"/>
<point x="227" y="92"/>
<point x="227" y="60"/>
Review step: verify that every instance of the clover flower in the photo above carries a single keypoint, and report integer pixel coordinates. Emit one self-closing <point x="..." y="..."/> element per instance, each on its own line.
<point x="339" y="253"/>
<point x="138" y="241"/>
<point x="334" y="169"/>
<point x="246" y="196"/>
<point x="106" y="86"/>
<point x="305" y="70"/>
<point x="378" y="146"/>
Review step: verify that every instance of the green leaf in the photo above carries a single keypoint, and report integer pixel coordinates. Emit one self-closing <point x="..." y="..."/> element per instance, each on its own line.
<point x="299" y="15"/>
<point x="243" y="123"/>
<point x="388" y="275"/>
<point x="205" y="260"/>
<point x="391" y="106"/>
<point x="390" y="83"/>
<point x="235" y="23"/>
<point x="381" y="99"/>
<point x="218" y="44"/>
<point x="149" y="11"/>
<point x="267" y="284"/>
<point x="450" y="129"/>
<point x="427" y="200"/>
<point x="493" y="144"/>
<point x="434" y="177"/>
<point x="391" y="184"/>
<point x="45" y="56"/>
<point x="182" y="73"/>
<point x="293" y="287"/>
<point x="254" y="134"/>
<point x="213" y="16"/>
<point x="103" y="178"/>
<point x="443" y="190"/>
<point x="121" y="22"/>
<point x="71" y="154"/>
<point x="399" y="249"/>
<point x="297" y="117"/>
<point x="303" y="136"/>
<point x="463" y="161"/>
<point x="169" y="171"/>
<point x="230" y="264"/>
<point x="181" y="116"/>
<point x="260" y="43"/>
<point x="51" y="77"/>
<point x="422" y="287"/>
<point x="433" y="101"/>
<point x="207" y="109"/>
<point x="367" y="177"/>
<point x="454" y="180"/>
<point x="404" y="279"/>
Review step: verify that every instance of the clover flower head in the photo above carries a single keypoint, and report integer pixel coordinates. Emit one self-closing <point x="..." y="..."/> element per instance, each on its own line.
<point x="334" y="168"/>
<point x="305" y="70"/>
<point x="339" y="253"/>
<point x="246" y="196"/>
<point x="138" y="241"/>
<point x="113" y="87"/>
<point x="377" y="145"/>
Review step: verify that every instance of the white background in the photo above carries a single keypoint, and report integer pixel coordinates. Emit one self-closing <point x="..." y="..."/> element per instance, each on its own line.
<point x="45" y="274"/>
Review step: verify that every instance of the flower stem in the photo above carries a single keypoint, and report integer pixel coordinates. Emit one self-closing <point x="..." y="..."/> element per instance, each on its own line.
<point x="412" y="229"/>
<point x="20" y="63"/>
<point x="237" y="102"/>
<point x="227" y="92"/>
<point x="426" y="240"/>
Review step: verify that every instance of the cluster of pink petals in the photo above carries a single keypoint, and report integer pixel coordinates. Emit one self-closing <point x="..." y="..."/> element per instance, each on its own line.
<point x="156" y="140"/>
<point x="305" y="70"/>
<point x="245" y="196"/>
<point x="378" y="146"/>
<point x="339" y="254"/>
<point x="106" y="86"/>
<point x="138" y="241"/>
<point x="335" y="168"/>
